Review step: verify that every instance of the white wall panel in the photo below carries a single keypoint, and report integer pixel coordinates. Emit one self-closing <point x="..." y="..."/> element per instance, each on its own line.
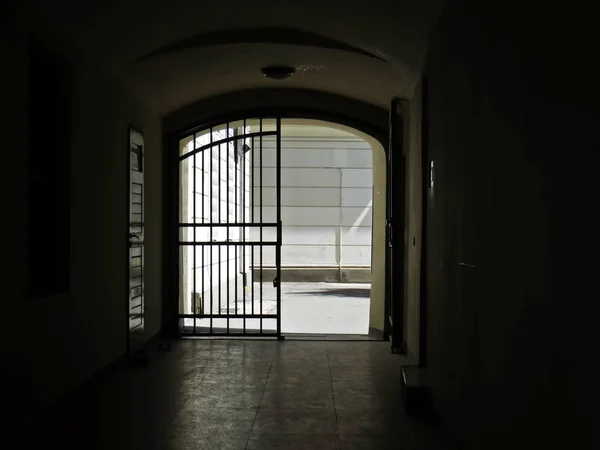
<point x="310" y="177"/>
<point x="310" y="216"/>
<point x="357" y="177"/>
<point x="320" y="144"/>
<point x="325" y="183"/>
<point x="294" y="235"/>
<point x="316" y="157"/>
<point x="302" y="196"/>
<point x="292" y="255"/>
<point x="357" y="196"/>
<point x="353" y="216"/>
<point x="356" y="236"/>
<point x="306" y="216"/>
<point x="310" y="196"/>
<point x="356" y="255"/>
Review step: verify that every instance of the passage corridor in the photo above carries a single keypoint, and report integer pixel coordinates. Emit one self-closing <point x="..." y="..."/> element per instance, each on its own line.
<point x="226" y="394"/>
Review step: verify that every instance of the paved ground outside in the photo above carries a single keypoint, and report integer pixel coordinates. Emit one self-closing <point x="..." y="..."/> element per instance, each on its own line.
<point x="325" y="308"/>
<point x="306" y="308"/>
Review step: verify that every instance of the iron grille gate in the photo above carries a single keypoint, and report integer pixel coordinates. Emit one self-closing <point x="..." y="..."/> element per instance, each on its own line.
<point x="230" y="229"/>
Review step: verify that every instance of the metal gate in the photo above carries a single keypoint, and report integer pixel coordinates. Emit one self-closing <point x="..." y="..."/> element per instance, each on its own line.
<point x="230" y="229"/>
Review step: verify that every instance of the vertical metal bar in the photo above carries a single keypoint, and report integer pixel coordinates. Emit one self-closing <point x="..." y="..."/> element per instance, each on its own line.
<point x="251" y="287"/>
<point x="193" y="300"/>
<point x="236" y="206"/>
<point x="340" y="244"/>
<point x="211" y="232"/>
<point x="227" y="162"/>
<point x="220" y="221"/>
<point x="243" y="176"/>
<point x="252" y="183"/>
<point x="279" y="224"/>
<point x="203" y="154"/>
<point x="261" y="224"/>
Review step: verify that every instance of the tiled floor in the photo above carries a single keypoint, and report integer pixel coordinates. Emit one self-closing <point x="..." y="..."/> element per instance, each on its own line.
<point x="225" y="394"/>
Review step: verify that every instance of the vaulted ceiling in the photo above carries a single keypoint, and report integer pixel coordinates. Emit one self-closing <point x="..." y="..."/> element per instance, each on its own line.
<point x="172" y="53"/>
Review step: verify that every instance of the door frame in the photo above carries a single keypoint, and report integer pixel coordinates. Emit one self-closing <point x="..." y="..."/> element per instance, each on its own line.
<point x="170" y="271"/>
<point x="425" y="204"/>
<point x="396" y="228"/>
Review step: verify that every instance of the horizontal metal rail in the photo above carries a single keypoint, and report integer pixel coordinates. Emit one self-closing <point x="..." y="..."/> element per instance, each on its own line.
<point x="228" y="316"/>
<point x="227" y="140"/>
<point x="227" y="334"/>
<point x="232" y="243"/>
<point x="231" y="224"/>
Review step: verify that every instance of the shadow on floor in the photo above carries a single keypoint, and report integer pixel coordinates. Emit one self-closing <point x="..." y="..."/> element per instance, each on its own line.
<point x="351" y="292"/>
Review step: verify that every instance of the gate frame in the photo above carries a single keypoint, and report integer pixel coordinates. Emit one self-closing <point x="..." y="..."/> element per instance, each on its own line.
<point x="256" y="136"/>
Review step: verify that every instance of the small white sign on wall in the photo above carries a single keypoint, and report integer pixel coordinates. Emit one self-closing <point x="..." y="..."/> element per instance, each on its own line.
<point x="431" y="174"/>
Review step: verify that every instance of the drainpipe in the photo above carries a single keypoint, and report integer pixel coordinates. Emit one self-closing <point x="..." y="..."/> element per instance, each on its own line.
<point x="339" y="249"/>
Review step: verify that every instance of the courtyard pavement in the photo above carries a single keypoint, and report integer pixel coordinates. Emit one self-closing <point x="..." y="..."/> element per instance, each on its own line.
<point x="306" y="308"/>
<point x="325" y="308"/>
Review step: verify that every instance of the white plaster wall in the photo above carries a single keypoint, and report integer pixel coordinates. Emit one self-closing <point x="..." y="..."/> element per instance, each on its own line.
<point x="316" y="218"/>
<point x="326" y="197"/>
<point x="215" y="185"/>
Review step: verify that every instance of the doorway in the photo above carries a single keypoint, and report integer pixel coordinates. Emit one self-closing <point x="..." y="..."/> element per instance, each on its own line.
<point x="327" y="186"/>
<point x="257" y="256"/>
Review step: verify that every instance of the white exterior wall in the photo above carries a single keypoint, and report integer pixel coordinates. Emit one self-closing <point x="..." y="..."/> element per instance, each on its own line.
<point x="326" y="197"/>
<point x="214" y="266"/>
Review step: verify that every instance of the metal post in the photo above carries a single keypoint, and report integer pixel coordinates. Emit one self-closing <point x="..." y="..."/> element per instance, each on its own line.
<point x="252" y="222"/>
<point x="211" y="231"/>
<point x="279" y="224"/>
<point x="194" y="237"/>
<point x="203" y="195"/>
<point x="261" y="224"/>
<point x="219" y="222"/>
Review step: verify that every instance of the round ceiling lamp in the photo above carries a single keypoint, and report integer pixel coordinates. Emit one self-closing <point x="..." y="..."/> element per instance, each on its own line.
<point x="278" y="72"/>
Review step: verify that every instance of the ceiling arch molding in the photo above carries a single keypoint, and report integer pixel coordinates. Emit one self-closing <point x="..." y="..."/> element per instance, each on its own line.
<point x="258" y="35"/>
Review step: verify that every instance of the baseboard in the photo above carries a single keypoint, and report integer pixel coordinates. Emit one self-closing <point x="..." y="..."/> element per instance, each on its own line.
<point x="398" y="348"/>
<point x="411" y="357"/>
<point x="376" y="334"/>
<point x="415" y="392"/>
<point x="151" y="343"/>
<point x="315" y="274"/>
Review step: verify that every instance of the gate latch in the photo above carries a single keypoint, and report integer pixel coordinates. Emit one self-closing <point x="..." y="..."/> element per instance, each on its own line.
<point x="275" y="282"/>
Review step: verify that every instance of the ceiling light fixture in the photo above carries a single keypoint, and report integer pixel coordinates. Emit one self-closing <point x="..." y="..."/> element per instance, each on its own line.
<point x="278" y="72"/>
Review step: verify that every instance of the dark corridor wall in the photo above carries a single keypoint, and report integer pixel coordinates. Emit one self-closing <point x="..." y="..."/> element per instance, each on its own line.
<point x="510" y="355"/>
<point x="49" y="345"/>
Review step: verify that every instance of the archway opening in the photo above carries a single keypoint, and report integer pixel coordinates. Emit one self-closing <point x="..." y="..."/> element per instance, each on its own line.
<point x="278" y="222"/>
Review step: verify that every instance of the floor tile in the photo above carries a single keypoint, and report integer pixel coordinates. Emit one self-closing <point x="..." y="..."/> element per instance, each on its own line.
<point x="269" y="440"/>
<point x="295" y="397"/>
<point x="234" y="394"/>
<point x="209" y="441"/>
<point x="206" y="400"/>
<point x="296" y="421"/>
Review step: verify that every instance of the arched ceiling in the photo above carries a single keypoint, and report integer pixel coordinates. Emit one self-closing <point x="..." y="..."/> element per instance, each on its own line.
<point x="172" y="53"/>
